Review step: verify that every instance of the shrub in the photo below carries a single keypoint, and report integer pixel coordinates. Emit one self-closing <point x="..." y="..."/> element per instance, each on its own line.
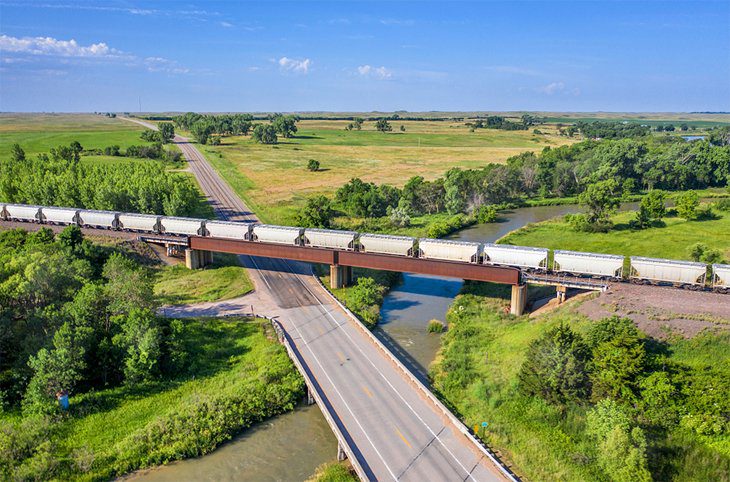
<point x="436" y="326"/>
<point x="486" y="214"/>
<point x="313" y="165"/>
<point x="687" y="204"/>
<point x="555" y="367"/>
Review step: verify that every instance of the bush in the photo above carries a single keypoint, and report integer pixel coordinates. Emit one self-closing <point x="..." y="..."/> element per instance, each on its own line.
<point x="365" y="299"/>
<point x="486" y="214"/>
<point x="687" y="204"/>
<point x="555" y="367"/>
<point x="313" y="165"/>
<point x="436" y="326"/>
<point x="722" y="205"/>
<point x="441" y="228"/>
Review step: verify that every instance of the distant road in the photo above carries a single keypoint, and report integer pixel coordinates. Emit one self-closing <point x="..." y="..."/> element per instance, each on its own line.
<point x="395" y="431"/>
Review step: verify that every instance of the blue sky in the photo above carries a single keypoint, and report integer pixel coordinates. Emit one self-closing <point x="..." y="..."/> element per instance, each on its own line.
<point x="69" y="55"/>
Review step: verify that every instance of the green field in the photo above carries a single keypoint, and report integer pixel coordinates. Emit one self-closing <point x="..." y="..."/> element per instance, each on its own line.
<point x="236" y="374"/>
<point x="37" y="133"/>
<point x="275" y="182"/>
<point x="670" y="241"/>
<point x="223" y="280"/>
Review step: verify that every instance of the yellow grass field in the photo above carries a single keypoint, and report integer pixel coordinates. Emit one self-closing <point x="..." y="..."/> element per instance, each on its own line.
<point x="275" y="179"/>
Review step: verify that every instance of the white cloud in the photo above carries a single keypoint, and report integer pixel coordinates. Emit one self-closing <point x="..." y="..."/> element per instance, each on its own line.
<point x="226" y="24"/>
<point x="160" y="64"/>
<point x="380" y="73"/>
<point x="55" y="47"/>
<point x="552" y="88"/>
<point x="300" y="66"/>
<point x="558" y="88"/>
<point x="397" y="22"/>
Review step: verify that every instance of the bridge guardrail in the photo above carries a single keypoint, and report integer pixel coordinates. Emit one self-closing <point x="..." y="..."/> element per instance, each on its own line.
<point x="284" y="339"/>
<point x="429" y="395"/>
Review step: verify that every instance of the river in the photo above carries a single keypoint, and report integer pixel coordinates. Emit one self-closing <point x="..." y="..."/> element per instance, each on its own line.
<point x="291" y="446"/>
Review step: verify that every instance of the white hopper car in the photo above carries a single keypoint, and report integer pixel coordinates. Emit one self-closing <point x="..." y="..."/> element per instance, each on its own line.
<point x="184" y="226"/>
<point x="386" y="244"/>
<point x="100" y="219"/>
<point x="668" y="271"/>
<point x="524" y="257"/>
<point x="23" y="212"/>
<point x="721" y="277"/>
<point x="59" y="215"/>
<point x="265" y="233"/>
<point x="228" y="229"/>
<point x="139" y="222"/>
<point x="449" y="250"/>
<point x="330" y="238"/>
<point x="593" y="264"/>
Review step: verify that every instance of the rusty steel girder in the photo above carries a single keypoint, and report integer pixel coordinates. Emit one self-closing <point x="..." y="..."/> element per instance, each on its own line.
<point x="450" y="269"/>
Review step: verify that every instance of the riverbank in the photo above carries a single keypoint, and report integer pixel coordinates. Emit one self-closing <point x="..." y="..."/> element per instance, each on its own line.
<point x="477" y="373"/>
<point x="235" y="374"/>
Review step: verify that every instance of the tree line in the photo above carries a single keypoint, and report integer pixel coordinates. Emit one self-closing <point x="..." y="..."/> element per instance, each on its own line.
<point x="59" y="178"/>
<point x="599" y="172"/>
<point x="209" y="128"/>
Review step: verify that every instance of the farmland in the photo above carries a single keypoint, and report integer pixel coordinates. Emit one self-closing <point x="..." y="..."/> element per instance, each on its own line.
<point x="37" y="133"/>
<point x="275" y="180"/>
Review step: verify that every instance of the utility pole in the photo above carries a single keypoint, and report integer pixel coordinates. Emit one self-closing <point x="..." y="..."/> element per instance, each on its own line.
<point x="140" y="104"/>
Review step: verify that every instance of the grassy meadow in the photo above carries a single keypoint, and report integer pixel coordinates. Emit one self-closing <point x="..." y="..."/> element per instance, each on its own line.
<point x="669" y="241"/>
<point x="223" y="280"/>
<point x="275" y="181"/>
<point x="37" y="133"/>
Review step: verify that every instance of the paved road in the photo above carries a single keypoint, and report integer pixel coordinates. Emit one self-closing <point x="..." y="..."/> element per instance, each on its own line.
<point x="395" y="432"/>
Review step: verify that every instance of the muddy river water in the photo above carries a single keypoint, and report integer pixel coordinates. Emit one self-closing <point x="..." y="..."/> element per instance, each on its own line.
<point x="291" y="446"/>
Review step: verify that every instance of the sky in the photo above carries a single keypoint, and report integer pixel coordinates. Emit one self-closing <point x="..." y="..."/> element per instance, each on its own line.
<point x="582" y="56"/>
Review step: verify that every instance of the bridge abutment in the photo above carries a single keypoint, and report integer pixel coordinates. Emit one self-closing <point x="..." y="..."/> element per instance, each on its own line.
<point x="519" y="299"/>
<point x="562" y="293"/>
<point x="196" y="259"/>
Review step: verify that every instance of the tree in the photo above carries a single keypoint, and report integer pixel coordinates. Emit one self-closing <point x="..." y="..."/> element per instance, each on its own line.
<point x="621" y="447"/>
<point x="128" y="287"/>
<point x="619" y="359"/>
<point x="687" y="204"/>
<point x="317" y="213"/>
<point x="167" y="131"/>
<point x="357" y="123"/>
<point x="286" y="125"/>
<point x="600" y="198"/>
<point x="555" y="367"/>
<point x="151" y="136"/>
<point x="365" y="298"/>
<point x="140" y="339"/>
<point x="313" y="165"/>
<point x="265" y="134"/>
<point x="651" y="208"/>
<point x="17" y="154"/>
<point x="201" y="130"/>
<point x="398" y="216"/>
<point x="71" y="238"/>
<point x="383" y="125"/>
<point x="402" y="128"/>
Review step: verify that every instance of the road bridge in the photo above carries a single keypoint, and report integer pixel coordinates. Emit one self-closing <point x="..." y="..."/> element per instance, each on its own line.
<point x="391" y="428"/>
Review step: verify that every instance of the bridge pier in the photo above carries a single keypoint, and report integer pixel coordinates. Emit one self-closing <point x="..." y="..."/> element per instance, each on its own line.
<point x="310" y="398"/>
<point x="340" y="276"/>
<point x="196" y="259"/>
<point x="341" y="455"/>
<point x="519" y="299"/>
<point x="562" y="292"/>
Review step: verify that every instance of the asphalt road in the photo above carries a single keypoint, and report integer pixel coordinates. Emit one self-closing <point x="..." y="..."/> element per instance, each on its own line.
<point x="395" y="432"/>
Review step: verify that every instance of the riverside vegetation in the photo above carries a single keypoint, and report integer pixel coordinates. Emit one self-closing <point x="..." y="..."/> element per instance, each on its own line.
<point x="571" y="399"/>
<point x="79" y="319"/>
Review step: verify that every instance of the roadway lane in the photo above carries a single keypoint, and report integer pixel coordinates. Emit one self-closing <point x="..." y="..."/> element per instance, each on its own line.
<point x="396" y="432"/>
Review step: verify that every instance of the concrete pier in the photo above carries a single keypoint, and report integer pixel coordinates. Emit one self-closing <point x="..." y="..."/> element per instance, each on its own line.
<point x="196" y="259"/>
<point x="340" y="276"/>
<point x="519" y="299"/>
<point x="562" y="293"/>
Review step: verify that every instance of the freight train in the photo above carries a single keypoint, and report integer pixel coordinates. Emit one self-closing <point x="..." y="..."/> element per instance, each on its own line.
<point x="535" y="260"/>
